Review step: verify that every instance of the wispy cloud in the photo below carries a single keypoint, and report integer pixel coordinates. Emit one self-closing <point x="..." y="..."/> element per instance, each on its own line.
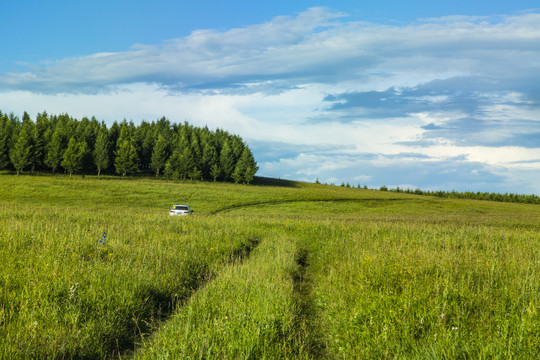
<point x="205" y="58"/>
<point x="318" y="45"/>
<point x="452" y="100"/>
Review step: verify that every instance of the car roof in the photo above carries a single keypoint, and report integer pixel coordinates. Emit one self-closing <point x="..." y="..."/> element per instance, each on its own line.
<point x="180" y="205"/>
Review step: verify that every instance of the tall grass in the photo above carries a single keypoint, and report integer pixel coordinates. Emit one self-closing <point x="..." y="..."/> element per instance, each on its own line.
<point x="247" y="312"/>
<point x="70" y="291"/>
<point x="413" y="290"/>
<point x="296" y="271"/>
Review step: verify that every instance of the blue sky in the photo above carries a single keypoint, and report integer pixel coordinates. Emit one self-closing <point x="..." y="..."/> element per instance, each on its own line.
<point x="412" y="94"/>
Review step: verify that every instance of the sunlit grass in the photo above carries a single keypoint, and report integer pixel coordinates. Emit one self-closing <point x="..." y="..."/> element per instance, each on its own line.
<point x="297" y="271"/>
<point x="402" y="290"/>
<point x="247" y="311"/>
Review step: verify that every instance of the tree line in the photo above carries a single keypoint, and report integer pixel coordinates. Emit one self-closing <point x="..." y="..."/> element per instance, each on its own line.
<point x="471" y="195"/>
<point x="60" y="143"/>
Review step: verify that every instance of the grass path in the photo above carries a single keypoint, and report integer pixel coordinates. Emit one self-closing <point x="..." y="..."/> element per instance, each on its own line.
<point x="246" y="312"/>
<point x="301" y="201"/>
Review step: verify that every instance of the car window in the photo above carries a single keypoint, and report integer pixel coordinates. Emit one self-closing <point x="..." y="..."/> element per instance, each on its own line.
<point x="180" y="208"/>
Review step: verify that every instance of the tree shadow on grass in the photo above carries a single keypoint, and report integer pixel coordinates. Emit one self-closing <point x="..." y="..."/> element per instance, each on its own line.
<point x="265" y="181"/>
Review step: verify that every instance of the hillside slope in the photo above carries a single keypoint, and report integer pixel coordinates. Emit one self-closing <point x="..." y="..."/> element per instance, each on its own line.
<point x="97" y="268"/>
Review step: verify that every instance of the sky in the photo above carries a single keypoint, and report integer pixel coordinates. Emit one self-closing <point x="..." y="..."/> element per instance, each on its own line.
<point x="417" y="94"/>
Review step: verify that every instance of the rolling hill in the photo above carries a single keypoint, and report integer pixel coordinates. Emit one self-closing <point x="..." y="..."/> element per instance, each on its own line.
<point x="96" y="268"/>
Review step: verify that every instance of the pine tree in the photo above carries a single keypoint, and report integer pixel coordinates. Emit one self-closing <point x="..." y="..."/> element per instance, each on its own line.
<point x="127" y="160"/>
<point x="215" y="171"/>
<point x="250" y="173"/>
<point x="188" y="163"/>
<point x="55" y="150"/>
<point x="238" y="174"/>
<point x="172" y="165"/>
<point x="21" y="154"/>
<point x="123" y="136"/>
<point x="159" y="155"/>
<point x="29" y="127"/>
<point x="41" y="131"/>
<point x="249" y="165"/>
<point x="148" y="145"/>
<point x="237" y="146"/>
<point x="195" y="174"/>
<point x="209" y="159"/>
<point x="196" y="149"/>
<point x="101" y="151"/>
<point x="180" y="165"/>
<point x="226" y="161"/>
<point x="73" y="157"/>
<point x="114" y="134"/>
<point x="196" y="153"/>
<point x="5" y="136"/>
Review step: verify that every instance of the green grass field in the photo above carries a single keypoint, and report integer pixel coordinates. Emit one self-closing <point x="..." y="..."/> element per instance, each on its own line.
<point x="278" y="270"/>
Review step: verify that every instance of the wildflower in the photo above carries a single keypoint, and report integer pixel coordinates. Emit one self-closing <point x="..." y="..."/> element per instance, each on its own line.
<point x="103" y="239"/>
<point x="73" y="291"/>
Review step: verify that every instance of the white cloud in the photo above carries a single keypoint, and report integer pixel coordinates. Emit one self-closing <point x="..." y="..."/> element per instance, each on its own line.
<point x="315" y="46"/>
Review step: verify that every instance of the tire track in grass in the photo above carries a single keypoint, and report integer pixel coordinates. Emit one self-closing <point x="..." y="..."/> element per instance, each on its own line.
<point x="309" y="336"/>
<point x="289" y="201"/>
<point x="245" y="313"/>
<point x="164" y="307"/>
<point x="302" y="337"/>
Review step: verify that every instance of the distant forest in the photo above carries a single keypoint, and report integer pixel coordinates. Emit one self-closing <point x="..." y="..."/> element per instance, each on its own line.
<point x="515" y="198"/>
<point x="60" y="143"/>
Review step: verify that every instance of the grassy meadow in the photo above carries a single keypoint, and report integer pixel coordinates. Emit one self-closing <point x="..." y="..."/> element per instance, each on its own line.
<point x="97" y="269"/>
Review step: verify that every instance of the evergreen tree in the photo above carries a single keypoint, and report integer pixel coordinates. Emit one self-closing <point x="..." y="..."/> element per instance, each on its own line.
<point x="195" y="174"/>
<point x="180" y="165"/>
<point x="29" y="127"/>
<point x="251" y="165"/>
<point x="148" y="145"/>
<point x="246" y="167"/>
<point x="196" y="149"/>
<point x="5" y="137"/>
<point x="40" y="134"/>
<point x="182" y="161"/>
<point x="55" y="150"/>
<point x="73" y="157"/>
<point x="237" y="146"/>
<point x="209" y="159"/>
<point x="92" y="132"/>
<point x="87" y="131"/>
<point x="123" y="136"/>
<point x="197" y="153"/>
<point x="173" y="164"/>
<point x="215" y="172"/>
<point x="114" y="134"/>
<point x="137" y="135"/>
<point x="127" y="160"/>
<point x="238" y="173"/>
<point x="101" y="151"/>
<point x="21" y="154"/>
<point x="226" y="161"/>
<point x="183" y="141"/>
<point x="159" y="155"/>
<point x="188" y="161"/>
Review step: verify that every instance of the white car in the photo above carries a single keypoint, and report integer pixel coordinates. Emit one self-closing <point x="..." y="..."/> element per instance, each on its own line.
<point x="180" y="210"/>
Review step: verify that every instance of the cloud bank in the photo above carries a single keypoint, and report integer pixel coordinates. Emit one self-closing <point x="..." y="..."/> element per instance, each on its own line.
<point x="446" y="103"/>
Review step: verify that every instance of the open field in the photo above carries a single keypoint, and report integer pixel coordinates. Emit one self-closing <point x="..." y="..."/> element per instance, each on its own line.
<point x="278" y="270"/>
